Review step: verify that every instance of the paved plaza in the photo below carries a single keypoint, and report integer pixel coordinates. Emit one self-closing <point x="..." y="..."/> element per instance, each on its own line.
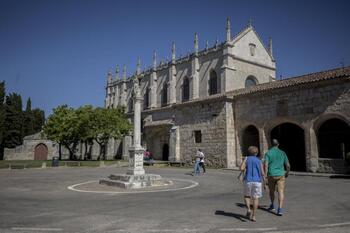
<point x="38" y="200"/>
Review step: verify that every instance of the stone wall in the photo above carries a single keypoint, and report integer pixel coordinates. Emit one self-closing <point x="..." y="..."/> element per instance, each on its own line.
<point x="306" y="106"/>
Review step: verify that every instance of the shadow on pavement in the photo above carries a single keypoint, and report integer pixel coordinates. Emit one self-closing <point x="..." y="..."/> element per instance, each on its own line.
<point x="261" y="207"/>
<point x="340" y="177"/>
<point x="240" y="217"/>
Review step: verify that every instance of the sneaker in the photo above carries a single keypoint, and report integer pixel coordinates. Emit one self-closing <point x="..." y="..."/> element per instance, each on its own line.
<point x="279" y="212"/>
<point x="271" y="208"/>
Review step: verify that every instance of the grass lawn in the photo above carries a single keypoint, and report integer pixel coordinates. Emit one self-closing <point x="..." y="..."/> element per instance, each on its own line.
<point x="20" y="164"/>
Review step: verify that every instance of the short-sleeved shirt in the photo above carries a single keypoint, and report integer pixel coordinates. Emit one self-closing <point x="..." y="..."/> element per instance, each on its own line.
<point x="253" y="169"/>
<point x="276" y="159"/>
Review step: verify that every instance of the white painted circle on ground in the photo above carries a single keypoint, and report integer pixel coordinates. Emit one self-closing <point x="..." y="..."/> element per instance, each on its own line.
<point x="75" y="187"/>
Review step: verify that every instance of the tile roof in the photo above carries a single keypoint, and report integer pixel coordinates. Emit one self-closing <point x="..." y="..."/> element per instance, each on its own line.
<point x="294" y="81"/>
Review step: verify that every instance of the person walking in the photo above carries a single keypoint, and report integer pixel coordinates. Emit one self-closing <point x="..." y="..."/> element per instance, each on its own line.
<point x="253" y="180"/>
<point x="201" y="162"/>
<point x="277" y="168"/>
<point x="198" y="157"/>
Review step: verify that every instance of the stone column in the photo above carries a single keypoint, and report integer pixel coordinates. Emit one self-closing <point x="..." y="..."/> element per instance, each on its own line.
<point x="174" y="144"/>
<point x="136" y="151"/>
<point x="195" y="70"/>
<point x="227" y="69"/>
<point x="153" y="83"/>
<point x="172" y="78"/>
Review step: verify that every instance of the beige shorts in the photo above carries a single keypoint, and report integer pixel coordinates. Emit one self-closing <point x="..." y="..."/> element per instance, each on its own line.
<point x="277" y="183"/>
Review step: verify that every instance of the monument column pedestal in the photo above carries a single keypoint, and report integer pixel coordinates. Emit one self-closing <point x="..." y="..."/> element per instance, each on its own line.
<point x="135" y="176"/>
<point x="136" y="161"/>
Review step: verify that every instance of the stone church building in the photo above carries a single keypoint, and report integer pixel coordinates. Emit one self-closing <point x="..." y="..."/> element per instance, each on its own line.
<point x="225" y="98"/>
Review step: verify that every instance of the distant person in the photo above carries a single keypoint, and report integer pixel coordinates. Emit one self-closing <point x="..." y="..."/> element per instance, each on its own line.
<point x="201" y="162"/>
<point x="277" y="168"/>
<point x="253" y="180"/>
<point x="197" y="160"/>
<point x="147" y="156"/>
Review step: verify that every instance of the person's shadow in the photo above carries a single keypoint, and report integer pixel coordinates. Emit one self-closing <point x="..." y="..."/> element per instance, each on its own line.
<point x="261" y="207"/>
<point x="240" y="217"/>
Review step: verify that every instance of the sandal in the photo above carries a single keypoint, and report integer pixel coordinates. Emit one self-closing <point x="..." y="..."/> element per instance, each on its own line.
<point x="253" y="218"/>
<point x="247" y="215"/>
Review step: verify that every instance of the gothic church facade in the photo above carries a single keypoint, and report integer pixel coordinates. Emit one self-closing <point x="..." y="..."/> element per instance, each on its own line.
<point x="224" y="98"/>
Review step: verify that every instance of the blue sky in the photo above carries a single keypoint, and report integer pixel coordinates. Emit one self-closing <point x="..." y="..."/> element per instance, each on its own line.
<point x="59" y="51"/>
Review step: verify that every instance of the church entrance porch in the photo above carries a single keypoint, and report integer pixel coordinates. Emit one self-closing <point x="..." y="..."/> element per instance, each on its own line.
<point x="157" y="139"/>
<point x="291" y="139"/>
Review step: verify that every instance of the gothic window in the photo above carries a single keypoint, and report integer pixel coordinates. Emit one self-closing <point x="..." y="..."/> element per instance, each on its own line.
<point x="251" y="81"/>
<point x="186" y="90"/>
<point x="213" y="83"/>
<point x="164" y="96"/>
<point x="146" y="99"/>
<point x="131" y="105"/>
<point x="252" y="49"/>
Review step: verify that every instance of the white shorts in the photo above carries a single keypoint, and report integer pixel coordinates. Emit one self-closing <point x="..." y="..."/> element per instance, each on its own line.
<point x="253" y="189"/>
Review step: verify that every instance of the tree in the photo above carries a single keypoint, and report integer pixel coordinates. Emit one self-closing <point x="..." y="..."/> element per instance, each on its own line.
<point x="38" y="119"/>
<point x="108" y="123"/>
<point x="86" y="114"/>
<point x="28" y="120"/>
<point x="2" y="118"/>
<point x="13" y="121"/>
<point x="63" y="127"/>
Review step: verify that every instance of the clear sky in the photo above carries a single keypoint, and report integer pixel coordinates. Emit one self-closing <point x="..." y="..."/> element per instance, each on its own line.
<point x="59" y="51"/>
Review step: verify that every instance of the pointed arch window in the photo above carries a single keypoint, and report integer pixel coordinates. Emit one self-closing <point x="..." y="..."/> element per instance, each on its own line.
<point x="213" y="83"/>
<point x="146" y="99"/>
<point x="164" y="96"/>
<point x="186" y="90"/>
<point x="131" y="104"/>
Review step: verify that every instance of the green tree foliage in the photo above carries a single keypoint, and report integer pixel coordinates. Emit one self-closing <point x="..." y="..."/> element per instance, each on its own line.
<point x="86" y="124"/>
<point x="2" y="118"/>
<point x="108" y="123"/>
<point x="28" y="120"/>
<point x="13" y="121"/>
<point x="38" y="117"/>
<point x="63" y="127"/>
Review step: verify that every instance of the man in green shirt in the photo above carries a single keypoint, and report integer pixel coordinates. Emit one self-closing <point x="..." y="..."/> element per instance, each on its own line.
<point x="276" y="161"/>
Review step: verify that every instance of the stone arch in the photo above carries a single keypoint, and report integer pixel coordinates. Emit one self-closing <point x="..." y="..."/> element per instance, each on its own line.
<point x="213" y="83"/>
<point x="292" y="141"/>
<point x="251" y="81"/>
<point x="185" y="89"/>
<point x="250" y="137"/>
<point x="40" y="152"/>
<point x="333" y="137"/>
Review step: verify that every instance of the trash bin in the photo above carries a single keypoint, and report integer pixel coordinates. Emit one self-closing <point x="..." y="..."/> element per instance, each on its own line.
<point x="55" y="162"/>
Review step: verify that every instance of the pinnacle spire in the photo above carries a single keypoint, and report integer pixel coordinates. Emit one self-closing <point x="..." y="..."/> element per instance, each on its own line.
<point x="138" y="66"/>
<point x="196" y="42"/>
<point x="173" y="52"/>
<point x="228" y="30"/>
<point x="124" y="72"/>
<point x="206" y="45"/>
<point x="154" y="59"/>
<point x="117" y="73"/>
<point x="109" y="76"/>
<point x="250" y="23"/>
<point x="270" y="48"/>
